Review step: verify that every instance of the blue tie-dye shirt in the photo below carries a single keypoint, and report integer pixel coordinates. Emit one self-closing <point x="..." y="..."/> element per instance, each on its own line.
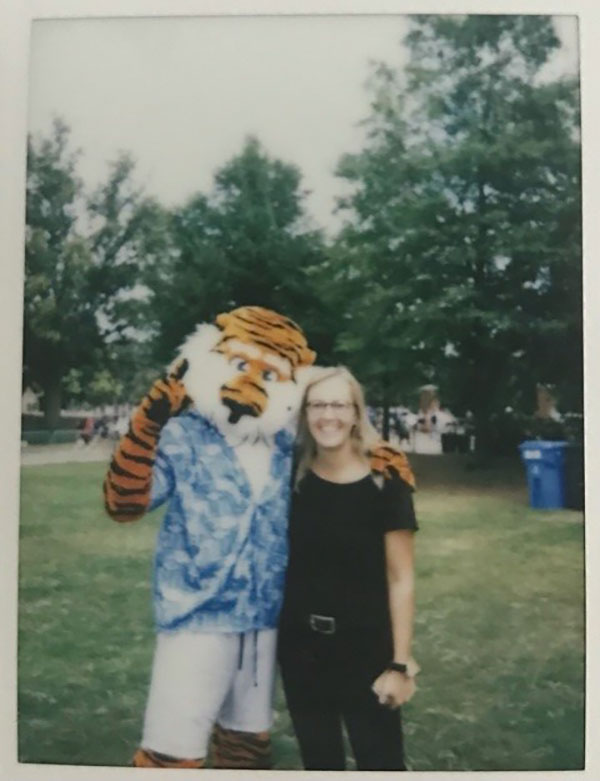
<point x="221" y="554"/>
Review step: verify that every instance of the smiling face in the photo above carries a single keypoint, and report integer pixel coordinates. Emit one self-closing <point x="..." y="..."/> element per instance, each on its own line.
<point x="331" y="413"/>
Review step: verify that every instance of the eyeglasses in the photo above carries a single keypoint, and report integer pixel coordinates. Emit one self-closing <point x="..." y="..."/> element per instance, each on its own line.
<point x="315" y="407"/>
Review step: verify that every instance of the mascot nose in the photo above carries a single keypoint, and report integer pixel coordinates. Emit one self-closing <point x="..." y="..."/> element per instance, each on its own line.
<point x="236" y="410"/>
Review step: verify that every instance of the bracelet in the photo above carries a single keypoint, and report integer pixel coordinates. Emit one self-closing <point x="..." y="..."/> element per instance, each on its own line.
<point x="398" y="667"/>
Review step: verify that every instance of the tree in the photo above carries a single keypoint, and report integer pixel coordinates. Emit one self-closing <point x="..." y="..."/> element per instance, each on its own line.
<point x="80" y="258"/>
<point x="246" y="242"/>
<point x="60" y="328"/>
<point x="466" y="204"/>
<point x="128" y="235"/>
<point x="122" y="375"/>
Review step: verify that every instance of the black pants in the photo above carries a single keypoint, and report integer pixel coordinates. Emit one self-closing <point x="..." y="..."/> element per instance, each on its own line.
<point x="327" y="679"/>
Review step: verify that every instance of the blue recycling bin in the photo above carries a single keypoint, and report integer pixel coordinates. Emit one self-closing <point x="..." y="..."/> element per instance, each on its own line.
<point x="545" y="465"/>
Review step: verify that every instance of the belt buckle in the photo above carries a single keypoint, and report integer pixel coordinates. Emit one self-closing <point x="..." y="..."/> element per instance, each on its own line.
<point x="323" y="624"/>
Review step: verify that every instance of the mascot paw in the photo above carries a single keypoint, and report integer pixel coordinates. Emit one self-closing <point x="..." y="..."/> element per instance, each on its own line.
<point x="167" y="397"/>
<point x="144" y="757"/>
<point x="390" y="462"/>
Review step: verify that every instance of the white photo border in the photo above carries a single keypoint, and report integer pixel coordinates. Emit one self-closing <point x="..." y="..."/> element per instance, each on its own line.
<point x="16" y="17"/>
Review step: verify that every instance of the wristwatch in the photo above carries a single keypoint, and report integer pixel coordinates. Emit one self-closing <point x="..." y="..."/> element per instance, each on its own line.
<point x="398" y="667"/>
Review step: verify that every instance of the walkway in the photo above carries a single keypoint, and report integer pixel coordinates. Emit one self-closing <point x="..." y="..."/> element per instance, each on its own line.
<point x="63" y="454"/>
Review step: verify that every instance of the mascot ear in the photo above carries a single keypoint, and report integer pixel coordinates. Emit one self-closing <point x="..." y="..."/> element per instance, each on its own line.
<point x="307" y="357"/>
<point x="307" y="374"/>
<point x="222" y="320"/>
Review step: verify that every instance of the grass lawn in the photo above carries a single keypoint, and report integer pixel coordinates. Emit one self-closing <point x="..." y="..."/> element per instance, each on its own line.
<point x="499" y="627"/>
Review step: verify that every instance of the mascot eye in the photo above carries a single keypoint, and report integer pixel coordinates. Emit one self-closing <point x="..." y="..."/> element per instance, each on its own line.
<point x="240" y="364"/>
<point x="270" y="374"/>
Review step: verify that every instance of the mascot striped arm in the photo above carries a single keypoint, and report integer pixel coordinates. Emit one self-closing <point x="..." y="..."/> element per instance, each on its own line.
<point x="213" y="439"/>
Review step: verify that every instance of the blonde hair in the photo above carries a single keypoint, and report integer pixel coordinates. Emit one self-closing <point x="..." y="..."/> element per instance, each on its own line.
<point x="364" y="436"/>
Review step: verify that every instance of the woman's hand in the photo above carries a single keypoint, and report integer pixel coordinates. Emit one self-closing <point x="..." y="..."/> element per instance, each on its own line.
<point x="393" y="688"/>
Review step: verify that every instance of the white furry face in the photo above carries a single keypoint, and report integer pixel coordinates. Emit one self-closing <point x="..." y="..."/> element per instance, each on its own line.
<point x="245" y="390"/>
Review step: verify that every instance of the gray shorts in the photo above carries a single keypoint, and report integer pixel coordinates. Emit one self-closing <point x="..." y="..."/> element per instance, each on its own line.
<point x="199" y="678"/>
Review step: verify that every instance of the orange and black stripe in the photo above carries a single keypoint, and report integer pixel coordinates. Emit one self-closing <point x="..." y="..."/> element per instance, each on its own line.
<point x="241" y="750"/>
<point x="246" y="393"/>
<point x="386" y="460"/>
<point x="145" y="757"/>
<point x="129" y="480"/>
<point x="267" y="329"/>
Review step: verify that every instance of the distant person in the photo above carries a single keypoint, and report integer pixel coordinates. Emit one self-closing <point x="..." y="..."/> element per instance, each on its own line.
<point x="120" y="426"/>
<point x="87" y="431"/>
<point x="347" y="620"/>
<point x="101" y="427"/>
<point x="398" y="424"/>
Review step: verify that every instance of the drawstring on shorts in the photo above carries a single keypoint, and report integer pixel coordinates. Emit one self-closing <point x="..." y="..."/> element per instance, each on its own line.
<point x="255" y="655"/>
<point x="241" y="654"/>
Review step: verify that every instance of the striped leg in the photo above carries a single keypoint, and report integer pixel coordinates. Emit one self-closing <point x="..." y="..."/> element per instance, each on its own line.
<point x="241" y="750"/>
<point x="144" y="757"/>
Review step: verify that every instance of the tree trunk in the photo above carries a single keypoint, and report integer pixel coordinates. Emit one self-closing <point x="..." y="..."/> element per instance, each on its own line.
<point x="386" y="421"/>
<point x="52" y="402"/>
<point x="486" y="432"/>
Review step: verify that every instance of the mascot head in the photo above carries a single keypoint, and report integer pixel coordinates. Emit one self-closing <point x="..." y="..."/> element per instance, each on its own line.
<point x="245" y="371"/>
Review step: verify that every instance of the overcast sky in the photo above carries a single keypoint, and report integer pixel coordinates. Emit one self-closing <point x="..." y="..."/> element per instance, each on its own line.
<point x="181" y="94"/>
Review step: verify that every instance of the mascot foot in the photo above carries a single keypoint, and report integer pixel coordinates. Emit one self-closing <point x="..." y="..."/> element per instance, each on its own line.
<point x="144" y="757"/>
<point x="248" y="750"/>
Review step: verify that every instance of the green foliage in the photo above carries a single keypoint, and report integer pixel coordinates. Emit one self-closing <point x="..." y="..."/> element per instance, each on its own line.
<point x="103" y="389"/>
<point x="81" y="267"/>
<point x="60" y="328"/>
<point x="128" y="238"/>
<point x="459" y="263"/>
<point x="111" y="295"/>
<point x="463" y="231"/>
<point x="133" y="367"/>
<point x="569" y="428"/>
<point x="499" y="625"/>
<point x="244" y="243"/>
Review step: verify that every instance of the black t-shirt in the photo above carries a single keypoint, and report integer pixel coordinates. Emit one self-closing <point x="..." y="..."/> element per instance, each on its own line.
<point x="337" y="553"/>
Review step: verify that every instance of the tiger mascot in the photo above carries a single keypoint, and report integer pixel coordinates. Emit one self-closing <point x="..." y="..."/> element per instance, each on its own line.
<point x="214" y="438"/>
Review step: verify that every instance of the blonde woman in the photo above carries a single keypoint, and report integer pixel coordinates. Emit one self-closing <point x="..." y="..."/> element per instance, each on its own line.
<point x="346" y="625"/>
